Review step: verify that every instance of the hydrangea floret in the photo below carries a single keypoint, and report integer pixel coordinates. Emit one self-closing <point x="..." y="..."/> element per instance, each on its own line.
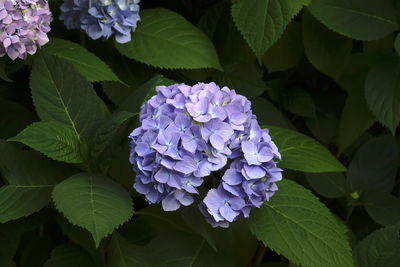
<point x="191" y="134"/>
<point x="24" y="25"/>
<point x="102" y="18"/>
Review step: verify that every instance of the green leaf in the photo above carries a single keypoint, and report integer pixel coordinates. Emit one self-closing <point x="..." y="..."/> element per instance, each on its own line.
<point x="330" y="185"/>
<point x="3" y="74"/>
<point x="382" y="207"/>
<point x="381" y="248"/>
<point x="397" y="44"/>
<point x="302" y="153"/>
<point x="358" y="19"/>
<point x="327" y="51"/>
<point x="84" y="61"/>
<point x="287" y="52"/>
<point x="165" y="39"/>
<point x="324" y="126"/>
<point x="374" y="166"/>
<point x="188" y="220"/>
<point x="30" y="178"/>
<point x="54" y="139"/>
<point x="121" y="253"/>
<point x="9" y="241"/>
<point x="355" y="120"/>
<point x="295" y="224"/>
<point x="172" y="248"/>
<point x="13" y="118"/>
<point x="267" y="113"/>
<point x="352" y="79"/>
<point x="95" y="203"/>
<point x="245" y="79"/>
<point x="299" y="102"/>
<point x="35" y="251"/>
<point x="262" y="22"/>
<point x="103" y="136"/>
<point x="67" y="256"/>
<point x="135" y="100"/>
<point x="382" y="91"/>
<point x="61" y="93"/>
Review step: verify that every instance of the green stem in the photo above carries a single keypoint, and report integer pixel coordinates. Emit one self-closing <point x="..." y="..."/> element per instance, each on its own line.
<point x="258" y="257"/>
<point x="82" y="38"/>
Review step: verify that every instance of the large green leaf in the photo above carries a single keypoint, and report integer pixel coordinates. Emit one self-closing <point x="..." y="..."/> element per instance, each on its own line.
<point x="3" y="74"/>
<point x="382" y="91"/>
<point x="67" y="256"/>
<point x="299" y="102"/>
<point x="302" y="153"/>
<point x="326" y="50"/>
<point x="13" y="118"/>
<point x="295" y="224"/>
<point x="121" y="253"/>
<point x="262" y="22"/>
<point x="245" y="79"/>
<point x="330" y="185"/>
<point x="374" y="166"/>
<point x="358" y="19"/>
<point x="383" y="208"/>
<point x="54" y="139"/>
<point x="104" y="135"/>
<point x="397" y="44"/>
<point x="30" y="178"/>
<point x="171" y="248"/>
<point x="84" y="61"/>
<point x="381" y="248"/>
<point x="93" y="202"/>
<point x="355" y="119"/>
<point x="287" y="52"/>
<point x="9" y="241"/>
<point x="135" y="100"/>
<point x="61" y="93"/>
<point x="165" y="39"/>
<point x="267" y="113"/>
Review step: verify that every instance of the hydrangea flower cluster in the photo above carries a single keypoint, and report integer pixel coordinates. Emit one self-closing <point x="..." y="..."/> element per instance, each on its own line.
<point x="186" y="133"/>
<point x="102" y="18"/>
<point x="24" y="25"/>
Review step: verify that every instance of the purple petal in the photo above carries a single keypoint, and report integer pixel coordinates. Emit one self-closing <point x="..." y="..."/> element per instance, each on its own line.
<point x="228" y="213"/>
<point x="162" y="175"/>
<point x="265" y="154"/>
<point x="213" y="200"/>
<point x="237" y="203"/>
<point x="232" y="177"/>
<point x="249" y="147"/>
<point x="184" y="198"/>
<point x="170" y="203"/>
<point x="254" y="171"/>
<point x="217" y="141"/>
<point x="186" y="166"/>
<point x="237" y="118"/>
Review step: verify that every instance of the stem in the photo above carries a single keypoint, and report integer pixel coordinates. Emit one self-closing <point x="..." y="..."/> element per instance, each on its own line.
<point x="41" y="230"/>
<point x="258" y="257"/>
<point x="82" y="38"/>
<point x="349" y="212"/>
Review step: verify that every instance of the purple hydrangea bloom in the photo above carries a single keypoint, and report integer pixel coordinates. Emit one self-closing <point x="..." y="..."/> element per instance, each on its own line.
<point x="186" y="133"/>
<point x="24" y="25"/>
<point x="102" y="18"/>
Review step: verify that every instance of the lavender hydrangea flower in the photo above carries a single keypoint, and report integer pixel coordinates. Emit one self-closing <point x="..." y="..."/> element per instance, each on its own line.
<point x="24" y="25"/>
<point x="102" y="18"/>
<point x="186" y="133"/>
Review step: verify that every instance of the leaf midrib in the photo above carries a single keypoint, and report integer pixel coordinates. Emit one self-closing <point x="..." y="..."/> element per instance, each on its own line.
<point x="62" y="100"/>
<point x="91" y="194"/>
<point x="361" y="13"/>
<point x="194" y="51"/>
<point x="301" y="226"/>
